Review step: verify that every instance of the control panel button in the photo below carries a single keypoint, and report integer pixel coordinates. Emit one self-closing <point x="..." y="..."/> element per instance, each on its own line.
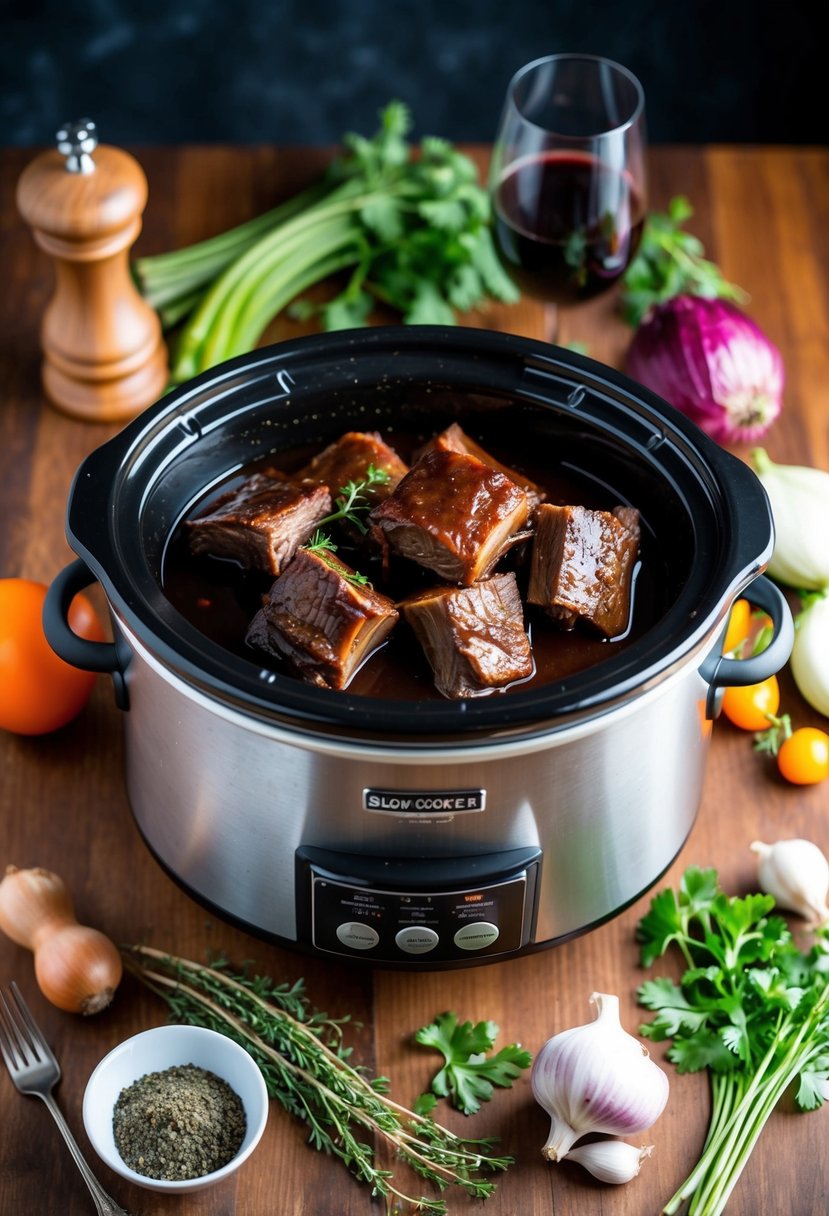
<point x="358" y="937"/>
<point x="416" y="939"/>
<point x="476" y="935"/>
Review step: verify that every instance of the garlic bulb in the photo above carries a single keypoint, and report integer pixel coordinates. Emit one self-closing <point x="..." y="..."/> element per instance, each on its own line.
<point x="610" y="1160"/>
<point x="796" y="873"/>
<point x="597" y="1078"/>
<point x="809" y="660"/>
<point x="799" y="497"/>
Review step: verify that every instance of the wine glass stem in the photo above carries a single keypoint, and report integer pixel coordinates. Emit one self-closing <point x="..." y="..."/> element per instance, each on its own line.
<point x="552" y="323"/>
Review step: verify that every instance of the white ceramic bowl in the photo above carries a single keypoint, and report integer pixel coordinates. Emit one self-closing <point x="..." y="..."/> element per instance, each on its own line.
<point x="158" y="1049"/>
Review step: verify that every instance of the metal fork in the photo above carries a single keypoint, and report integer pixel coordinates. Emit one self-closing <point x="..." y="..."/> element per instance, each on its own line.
<point x="35" y="1070"/>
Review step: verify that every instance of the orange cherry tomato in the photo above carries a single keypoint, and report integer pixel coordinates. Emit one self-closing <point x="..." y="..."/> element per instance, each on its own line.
<point x="739" y="625"/>
<point x="39" y="692"/>
<point x="803" y="758"/>
<point x="753" y="706"/>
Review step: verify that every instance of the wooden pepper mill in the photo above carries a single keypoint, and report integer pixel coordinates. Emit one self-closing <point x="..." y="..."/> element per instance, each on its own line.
<point x="104" y="356"/>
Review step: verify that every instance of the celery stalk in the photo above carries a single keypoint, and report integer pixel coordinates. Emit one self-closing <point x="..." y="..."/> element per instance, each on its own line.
<point x="274" y="292"/>
<point x="169" y="278"/>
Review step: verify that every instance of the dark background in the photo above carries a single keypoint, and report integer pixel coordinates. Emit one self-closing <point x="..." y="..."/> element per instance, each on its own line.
<point x="304" y="71"/>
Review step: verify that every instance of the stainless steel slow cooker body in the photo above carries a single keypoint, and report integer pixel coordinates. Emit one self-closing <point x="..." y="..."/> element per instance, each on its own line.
<point x="417" y="833"/>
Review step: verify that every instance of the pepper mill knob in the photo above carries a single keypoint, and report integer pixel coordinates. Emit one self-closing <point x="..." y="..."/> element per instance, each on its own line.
<point x="76" y="140"/>
<point x="104" y="355"/>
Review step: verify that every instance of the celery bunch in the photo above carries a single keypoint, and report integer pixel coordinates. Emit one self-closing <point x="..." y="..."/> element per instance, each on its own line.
<point x="410" y="226"/>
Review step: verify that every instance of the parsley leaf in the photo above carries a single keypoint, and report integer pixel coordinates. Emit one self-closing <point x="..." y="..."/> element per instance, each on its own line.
<point x="469" y="1074"/>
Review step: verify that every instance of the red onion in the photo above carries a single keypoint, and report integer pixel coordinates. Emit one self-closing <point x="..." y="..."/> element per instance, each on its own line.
<point x="712" y="362"/>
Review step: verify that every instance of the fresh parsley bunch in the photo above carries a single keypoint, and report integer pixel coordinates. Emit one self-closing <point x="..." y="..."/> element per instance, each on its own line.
<point x="751" y="1007"/>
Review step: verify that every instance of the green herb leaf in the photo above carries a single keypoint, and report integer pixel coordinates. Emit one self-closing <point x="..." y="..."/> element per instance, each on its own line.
<point x="704" y="1049"/>
<point x="676" y="1013"/>
<point x="468" y="1075"/>
<point x="347" y="311"/>
<point x="659" y="927"/>
<point x="814" y="1085"/>
<point x="352" y="502"/>
<point x="383" y="217"/>
<point x="668" y="263"/>
<point x="429" y="307"/>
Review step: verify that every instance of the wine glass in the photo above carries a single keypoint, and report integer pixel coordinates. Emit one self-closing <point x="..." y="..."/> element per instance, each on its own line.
<point x="567" y="178"/>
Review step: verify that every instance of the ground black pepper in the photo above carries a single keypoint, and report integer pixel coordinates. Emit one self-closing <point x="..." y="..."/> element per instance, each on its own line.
<point x="181" y="1123"/>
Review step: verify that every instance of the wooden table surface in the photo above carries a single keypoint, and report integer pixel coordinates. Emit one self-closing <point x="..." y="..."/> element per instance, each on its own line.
<point x="763" y="214"/>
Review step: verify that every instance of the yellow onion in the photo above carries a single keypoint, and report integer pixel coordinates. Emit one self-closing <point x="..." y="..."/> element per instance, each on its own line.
<point x="809" y="660"/>
<point x="77" y="968"/>
<point x="799" y="499"/>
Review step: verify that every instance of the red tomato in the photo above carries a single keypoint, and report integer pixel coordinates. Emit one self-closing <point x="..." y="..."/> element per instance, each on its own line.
<point x="38" y="691"/>
<point x="803" y="758"/>
<point x="753" y="706"/>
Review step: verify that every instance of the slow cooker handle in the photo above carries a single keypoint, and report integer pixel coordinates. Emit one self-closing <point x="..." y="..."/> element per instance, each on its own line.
<point x="67" y="645"/>
<point x="721" y="672"/>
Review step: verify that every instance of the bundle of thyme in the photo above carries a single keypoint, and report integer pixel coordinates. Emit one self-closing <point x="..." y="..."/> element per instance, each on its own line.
<point x="305" y="1065"/>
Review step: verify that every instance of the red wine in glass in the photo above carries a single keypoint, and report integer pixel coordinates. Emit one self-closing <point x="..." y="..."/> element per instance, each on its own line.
<point x="567" y="178"/>
<point x="567" y="226"/>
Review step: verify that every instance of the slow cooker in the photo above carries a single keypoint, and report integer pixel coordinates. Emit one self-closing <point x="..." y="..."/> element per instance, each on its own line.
<point x="417" y="833"/>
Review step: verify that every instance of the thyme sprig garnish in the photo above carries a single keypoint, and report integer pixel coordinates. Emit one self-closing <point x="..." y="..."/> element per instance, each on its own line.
<point x="305" y="1066"/>
<point x="322" y="544"/>
<point x="351" y="503"/>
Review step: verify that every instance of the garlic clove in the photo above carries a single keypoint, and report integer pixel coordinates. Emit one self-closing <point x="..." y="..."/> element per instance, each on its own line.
<point x="610" y="1160"/>
<point x="596" y="1078"/>
<point x="796" y="873"/>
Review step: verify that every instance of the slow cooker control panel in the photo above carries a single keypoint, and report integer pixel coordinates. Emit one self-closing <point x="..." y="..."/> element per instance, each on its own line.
<point x="438" y="910"/>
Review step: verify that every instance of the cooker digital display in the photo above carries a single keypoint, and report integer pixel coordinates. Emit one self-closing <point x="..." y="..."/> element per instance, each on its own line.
<point x="395" y="911"/>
